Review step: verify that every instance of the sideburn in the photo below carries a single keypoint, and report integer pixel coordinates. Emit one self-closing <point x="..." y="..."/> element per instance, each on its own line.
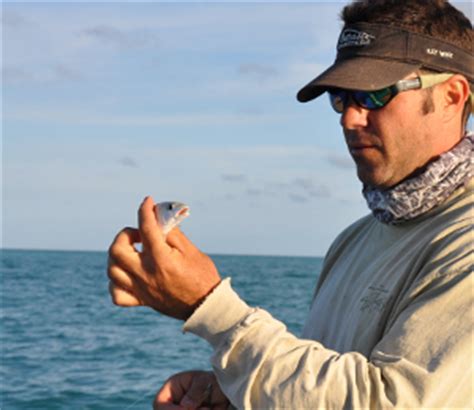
<point x="428" y="106"/>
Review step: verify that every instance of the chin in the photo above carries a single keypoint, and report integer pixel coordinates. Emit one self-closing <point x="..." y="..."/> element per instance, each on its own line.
<point x="373" y="180"/>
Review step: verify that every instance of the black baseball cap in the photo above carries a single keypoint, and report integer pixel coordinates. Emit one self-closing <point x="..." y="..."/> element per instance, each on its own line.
<point x="374" y="56"/>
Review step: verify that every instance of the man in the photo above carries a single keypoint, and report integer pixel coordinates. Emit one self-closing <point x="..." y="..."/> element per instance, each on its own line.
<point x="391" y="323"/>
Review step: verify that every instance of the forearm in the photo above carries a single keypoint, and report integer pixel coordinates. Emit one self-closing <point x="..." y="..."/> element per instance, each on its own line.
<point x="260" y="365"/>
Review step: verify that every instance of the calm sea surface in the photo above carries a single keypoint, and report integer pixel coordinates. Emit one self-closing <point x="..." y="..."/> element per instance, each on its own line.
<point x="64" y="345"/>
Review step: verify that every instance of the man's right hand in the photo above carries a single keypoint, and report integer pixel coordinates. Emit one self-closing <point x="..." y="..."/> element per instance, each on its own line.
<point x="191" y="390"/>
<point x="169" y="275"/>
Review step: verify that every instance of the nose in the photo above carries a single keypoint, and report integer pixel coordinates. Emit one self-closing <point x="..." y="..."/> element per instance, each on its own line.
<point x="354" y="116"/>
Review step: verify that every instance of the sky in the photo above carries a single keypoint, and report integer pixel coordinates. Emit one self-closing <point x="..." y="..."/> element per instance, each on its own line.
<point x="106" y="103"/>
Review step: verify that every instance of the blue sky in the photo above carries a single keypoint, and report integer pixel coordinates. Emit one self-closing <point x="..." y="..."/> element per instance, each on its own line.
<point x="104" y="103"/>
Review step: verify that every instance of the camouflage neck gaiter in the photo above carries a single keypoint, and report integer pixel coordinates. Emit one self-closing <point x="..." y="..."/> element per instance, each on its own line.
<point x="417" y="195"/>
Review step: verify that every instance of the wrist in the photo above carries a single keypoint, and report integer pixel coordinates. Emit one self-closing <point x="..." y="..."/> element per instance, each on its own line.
<point x="203" y="298"/>
<point x="219" y="312"/>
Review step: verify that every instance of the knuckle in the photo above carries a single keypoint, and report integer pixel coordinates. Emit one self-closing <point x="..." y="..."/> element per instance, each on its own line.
<point x="116" y="247"/>
<point x="129" y="231"/>
<point x="110" y="262"/>
<point x="115" y="251"/>
<point x="199" y="385"/>
<point x="112" y="292"/>
<point x="156" y="403"/>
<point x="117" y="301"/>
<point x="112" y="273"/>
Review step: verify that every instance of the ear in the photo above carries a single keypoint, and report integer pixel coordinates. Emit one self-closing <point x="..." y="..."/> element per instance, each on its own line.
<point x="456" y="92"/>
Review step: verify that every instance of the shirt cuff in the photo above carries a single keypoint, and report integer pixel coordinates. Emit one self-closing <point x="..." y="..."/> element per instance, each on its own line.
<point x="220" y="311"/>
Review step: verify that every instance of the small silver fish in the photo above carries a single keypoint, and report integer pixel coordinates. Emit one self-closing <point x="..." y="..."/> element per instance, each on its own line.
<point x="170" y="214"/>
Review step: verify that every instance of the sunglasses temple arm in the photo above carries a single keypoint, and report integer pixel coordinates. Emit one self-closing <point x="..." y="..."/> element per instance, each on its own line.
<point x="431" y="80"/>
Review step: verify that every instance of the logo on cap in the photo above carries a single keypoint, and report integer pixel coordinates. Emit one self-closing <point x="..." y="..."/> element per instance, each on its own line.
<point x="441" y="53"/>
<point x="354" y="38"/>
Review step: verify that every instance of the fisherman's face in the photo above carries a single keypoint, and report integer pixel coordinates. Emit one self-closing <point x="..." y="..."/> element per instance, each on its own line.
<point x="392" y="142"/>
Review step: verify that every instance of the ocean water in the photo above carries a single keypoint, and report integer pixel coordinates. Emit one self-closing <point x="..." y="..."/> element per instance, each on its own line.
<point x="64" y="345"/>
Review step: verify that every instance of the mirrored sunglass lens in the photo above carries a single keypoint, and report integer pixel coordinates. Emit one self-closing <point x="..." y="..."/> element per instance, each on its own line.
<point x="373" y="99"/>
<point x="337" y="99"/>
<point x="382" y="97"/>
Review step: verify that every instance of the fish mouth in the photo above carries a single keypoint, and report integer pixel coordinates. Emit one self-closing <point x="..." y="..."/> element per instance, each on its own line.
<point x="183" y="212"/>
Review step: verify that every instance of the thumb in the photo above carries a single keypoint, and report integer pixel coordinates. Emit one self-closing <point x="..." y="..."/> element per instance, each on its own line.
<point x="150" y="229"/>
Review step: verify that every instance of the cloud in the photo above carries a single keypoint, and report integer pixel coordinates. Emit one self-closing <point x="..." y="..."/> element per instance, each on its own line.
<point x="258" y="71"/>
<point x="234" y="177"/>
<point x="12" y="74"/>
<point x="106" y="33"/>
<point x="229" y="197"/>
<point x="253" y="192"/>
<point x="121" y="38"/>
<point x="341" y="161"/>
<point x="128" y="162"/>
<point x="84" y="117"/>
<point x="298" y="198"/>
<point x="298" y="190"/>
<point x="64" y="72"/>
<point x="12" y="19"/>
<point x="87" y="38"/>
<point x="15" y="74"/>
<point x="311" y="188"/>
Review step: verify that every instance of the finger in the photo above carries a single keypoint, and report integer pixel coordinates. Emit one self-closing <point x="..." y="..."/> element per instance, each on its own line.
<point x="150" y="229"/>
<point x="199" y="391"/>
<point x="122" y="297"/>
<point x="120" y="277"/>
<point x="172" y="391"/>
<point x="218" y="399"/>
<point x="127" y="237"/>
<point x="165" y="394"/>
<point x="123" y="252"/>
<point x="166" y="406"/>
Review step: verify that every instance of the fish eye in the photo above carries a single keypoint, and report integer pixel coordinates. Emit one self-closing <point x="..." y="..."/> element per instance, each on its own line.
<point x="170" y="207"/>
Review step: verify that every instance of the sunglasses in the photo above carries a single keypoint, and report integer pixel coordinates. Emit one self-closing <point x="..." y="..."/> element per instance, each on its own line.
<point x="373" y="100"/>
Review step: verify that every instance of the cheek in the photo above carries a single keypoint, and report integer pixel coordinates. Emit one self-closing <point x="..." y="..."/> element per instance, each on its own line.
<point x="394" y="135"/>
<point x="405" y="148"/>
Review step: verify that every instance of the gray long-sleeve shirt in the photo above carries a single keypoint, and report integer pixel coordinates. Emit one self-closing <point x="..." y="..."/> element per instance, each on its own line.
<point x="391" y="324"/>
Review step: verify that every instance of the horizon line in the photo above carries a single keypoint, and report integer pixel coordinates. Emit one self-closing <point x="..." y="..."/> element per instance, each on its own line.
<point x="105" y="251"/>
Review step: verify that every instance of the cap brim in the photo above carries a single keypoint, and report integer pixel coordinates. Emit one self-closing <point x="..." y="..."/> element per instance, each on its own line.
<point x="359" y="73"/>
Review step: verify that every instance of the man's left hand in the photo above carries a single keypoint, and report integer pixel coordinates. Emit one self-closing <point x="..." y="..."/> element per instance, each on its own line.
<point x="169" y="275"/>
<point x="191" y="390"/>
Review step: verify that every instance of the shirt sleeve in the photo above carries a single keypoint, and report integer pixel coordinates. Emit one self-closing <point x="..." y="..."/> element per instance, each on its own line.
<point x="425" y="358"/>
